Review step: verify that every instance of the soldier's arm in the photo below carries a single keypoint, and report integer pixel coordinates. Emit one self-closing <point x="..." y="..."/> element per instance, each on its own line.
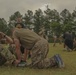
<point x="8" y="39"/>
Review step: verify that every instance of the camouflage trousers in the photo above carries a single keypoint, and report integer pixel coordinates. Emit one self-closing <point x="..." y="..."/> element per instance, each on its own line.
<point x="39" y="55"/>
<point x="6" y="53"/>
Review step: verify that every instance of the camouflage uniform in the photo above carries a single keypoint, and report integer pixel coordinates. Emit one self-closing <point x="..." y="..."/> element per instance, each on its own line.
<point x="39" y="54"/>
<point x="5" y="52"/>
<point x="39" y="48"/>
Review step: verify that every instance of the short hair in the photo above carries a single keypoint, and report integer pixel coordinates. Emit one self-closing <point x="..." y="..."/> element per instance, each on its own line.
<point x="20" y="24"/>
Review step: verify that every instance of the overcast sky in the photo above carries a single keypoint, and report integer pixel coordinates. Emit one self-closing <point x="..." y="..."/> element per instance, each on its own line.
<point x="9" y="7"/>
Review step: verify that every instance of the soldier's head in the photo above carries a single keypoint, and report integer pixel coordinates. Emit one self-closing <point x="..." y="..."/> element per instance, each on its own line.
<point x="19" y="25"/>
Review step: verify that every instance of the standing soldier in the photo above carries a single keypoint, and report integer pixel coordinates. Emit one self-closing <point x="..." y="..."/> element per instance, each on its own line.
<point x="55" y="39"/>
<point x="42" y="33"/>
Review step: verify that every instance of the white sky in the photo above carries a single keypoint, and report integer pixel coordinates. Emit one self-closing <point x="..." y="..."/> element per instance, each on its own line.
<point x="9" y="7"/>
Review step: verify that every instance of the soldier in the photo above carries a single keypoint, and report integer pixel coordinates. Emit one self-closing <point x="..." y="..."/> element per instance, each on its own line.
<point x="42" y="33"/>
<point x="7" y="54"/>
<point x="23" y="51"/>
<point x="68" y="41"/>
<point x="39" y="48"/>
<point x="55" y="39"/>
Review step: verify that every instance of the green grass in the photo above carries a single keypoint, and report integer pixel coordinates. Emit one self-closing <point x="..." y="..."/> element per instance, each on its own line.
<point x="69" y="59"/>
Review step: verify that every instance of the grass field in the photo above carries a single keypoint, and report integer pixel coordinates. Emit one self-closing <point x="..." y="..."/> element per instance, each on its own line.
<point x="69" y="59"/>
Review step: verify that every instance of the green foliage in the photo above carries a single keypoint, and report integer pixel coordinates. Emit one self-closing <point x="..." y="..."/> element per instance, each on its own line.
<point x="66" y="16"/>
<point x="51" y="20"/>
<point x="3" y="25"/>
<point x="38" y="20"/>
<point x="67" y="27"/>
<point x="15" y="16"/>
<point x="56" y="28"/>
<point x="28" y="18"/>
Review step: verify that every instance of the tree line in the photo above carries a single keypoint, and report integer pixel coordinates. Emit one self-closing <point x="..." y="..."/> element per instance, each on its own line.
<point x="51" y="20"/>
